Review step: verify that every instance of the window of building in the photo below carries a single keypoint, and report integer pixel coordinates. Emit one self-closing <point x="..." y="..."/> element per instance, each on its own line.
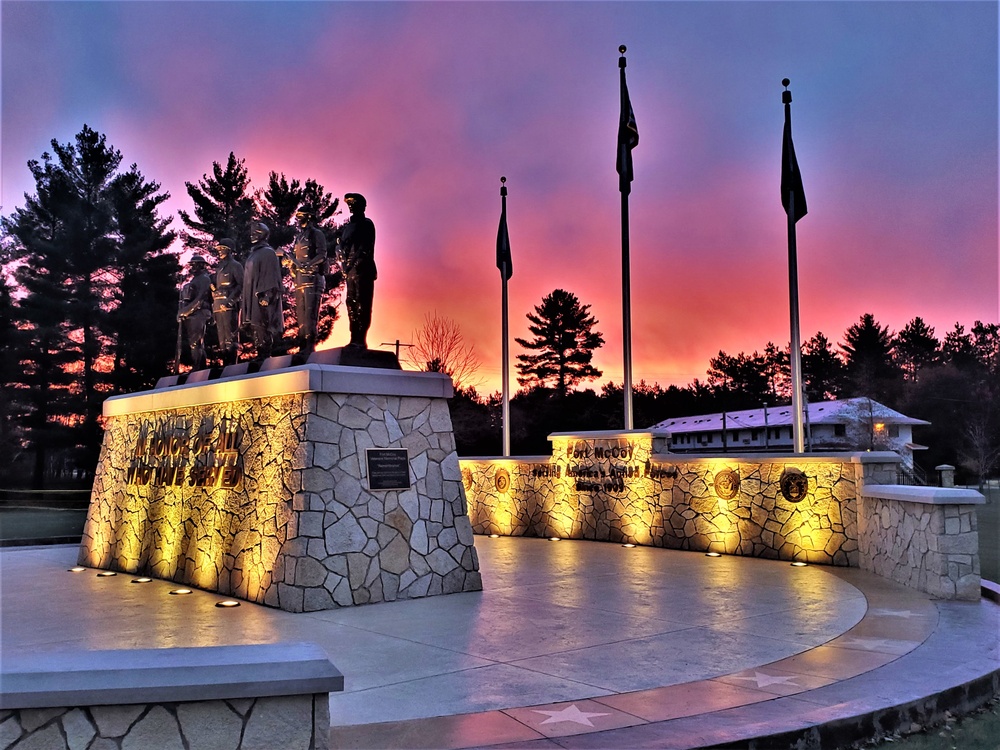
<point x="840" y="430"/>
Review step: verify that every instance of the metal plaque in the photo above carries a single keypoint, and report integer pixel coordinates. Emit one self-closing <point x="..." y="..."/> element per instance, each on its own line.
<point x="388" y="469"/>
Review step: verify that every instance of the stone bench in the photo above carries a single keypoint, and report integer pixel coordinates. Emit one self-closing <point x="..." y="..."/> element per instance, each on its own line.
<point x="923" y="537"/>
<point x="259" y="696"/>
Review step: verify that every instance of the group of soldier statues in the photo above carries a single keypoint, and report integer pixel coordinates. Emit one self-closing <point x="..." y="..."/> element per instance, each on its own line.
<point x="249" y="296"/>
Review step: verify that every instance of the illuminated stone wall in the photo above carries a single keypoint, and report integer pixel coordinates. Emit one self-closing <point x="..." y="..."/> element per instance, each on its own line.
<point x="625" y="487"/>
<point x="259" y="488"/>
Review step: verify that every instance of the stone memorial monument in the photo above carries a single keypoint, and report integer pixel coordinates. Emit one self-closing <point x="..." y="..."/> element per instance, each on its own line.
<point x="308" y="487"/>
<point x="304" y="488"/>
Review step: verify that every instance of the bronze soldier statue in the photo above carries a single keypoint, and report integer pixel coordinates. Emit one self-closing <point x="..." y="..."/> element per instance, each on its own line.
<point x="308" y="261"/>
<point x="195" y="309"/>
<point x="357" y="258"/>
<point x="226" y="288"/>
<point x="261" y="307"/>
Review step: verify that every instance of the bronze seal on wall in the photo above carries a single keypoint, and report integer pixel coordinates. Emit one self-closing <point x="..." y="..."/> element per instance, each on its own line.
<point x="502" y="481"/>
<point x="727" y="484"/>
<point x="794" y="485"/>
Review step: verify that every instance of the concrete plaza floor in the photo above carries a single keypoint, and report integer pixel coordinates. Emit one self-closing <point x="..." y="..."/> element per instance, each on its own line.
<point x="571" y="644"/>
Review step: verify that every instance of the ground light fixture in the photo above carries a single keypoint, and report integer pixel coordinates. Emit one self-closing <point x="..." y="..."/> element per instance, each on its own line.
<point x="628" y="544"/>
<point x="227" y="603"/>
<point x="106" y="574"/>
<point x="180" y="592"/>
<point x="494" y="536"/>
<point x="799" y="564"/>
<point x="713" y="554"/>
<point x="77" y="569"/>
<point x="554" y="539"/>
<point x="142" y="580"/>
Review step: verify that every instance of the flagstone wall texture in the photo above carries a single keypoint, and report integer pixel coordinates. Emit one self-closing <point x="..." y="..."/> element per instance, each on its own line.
<point x="267" y="498"/>
<point x="296" y="722"/>
<point x="626" y="488"/>
<point x="923" y="537"/>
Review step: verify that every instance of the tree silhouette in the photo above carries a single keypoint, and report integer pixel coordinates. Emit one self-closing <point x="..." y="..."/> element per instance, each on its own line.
<point x="822" y="369"/>
<point x="871" y="370"/>
<point x="223" y="207"/>
<point x="565" y="342"/>
<point x="439" y="346"/>
<point x="78" y="243"/>
<point x="915" y="347"/>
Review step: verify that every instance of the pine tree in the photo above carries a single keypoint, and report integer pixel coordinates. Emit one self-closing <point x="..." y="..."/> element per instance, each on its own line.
<point x="223" y="207"/>
<point x="871" y="370"/>
<point x="740" y="381"/>
<point x="822" y="369"/>
<point x="74" y="249"/>
<point x="565" y="342"/>
<point x="147" y="284"/>
<point x="915" y="348"/>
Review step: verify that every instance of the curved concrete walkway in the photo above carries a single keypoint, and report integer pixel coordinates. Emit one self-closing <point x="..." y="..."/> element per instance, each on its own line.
<point x="572" y="644"/>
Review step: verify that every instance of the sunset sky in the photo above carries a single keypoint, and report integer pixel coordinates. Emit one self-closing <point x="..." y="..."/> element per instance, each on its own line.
<point x="422" y="107"/>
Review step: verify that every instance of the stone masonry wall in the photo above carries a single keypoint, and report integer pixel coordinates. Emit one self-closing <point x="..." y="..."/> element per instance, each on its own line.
<point x="620" y="490"/>
<point x="933" y="548"/>
<point x="355" y="545"/>
<point x="299" y="722"/>
<point x="268" y="499"/>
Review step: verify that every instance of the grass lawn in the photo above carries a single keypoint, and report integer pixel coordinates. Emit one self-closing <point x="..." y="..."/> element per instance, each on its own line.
<point x="977" y="731"/>
<point x="988" y="517"/>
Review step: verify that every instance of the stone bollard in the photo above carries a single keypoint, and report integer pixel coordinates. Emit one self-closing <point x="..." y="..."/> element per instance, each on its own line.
<point x="946" y="475"/>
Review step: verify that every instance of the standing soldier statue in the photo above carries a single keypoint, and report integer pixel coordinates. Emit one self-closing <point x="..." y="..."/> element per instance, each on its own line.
<point x="261" y="307"/>
<point x="195" y="310"/>
<point x="308" y="261"/>
<point x="357" y="258"/>
<point x="226" y="288"/>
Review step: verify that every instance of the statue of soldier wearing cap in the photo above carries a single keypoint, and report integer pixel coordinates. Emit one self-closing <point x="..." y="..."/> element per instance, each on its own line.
<point x="226" y="288"/>
<point x="357" y="259"/>
<point x="195" y="309"/>
<point x="308" y="262"/>
<point x="261" y="304"/>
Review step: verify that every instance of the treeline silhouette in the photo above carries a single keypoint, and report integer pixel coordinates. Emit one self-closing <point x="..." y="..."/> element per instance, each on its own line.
<point x="951" y="381"/>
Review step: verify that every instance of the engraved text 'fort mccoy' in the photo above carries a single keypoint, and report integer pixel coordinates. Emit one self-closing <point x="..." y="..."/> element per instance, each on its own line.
<point x="173" y="453"/>
<point x="605" y="465"/>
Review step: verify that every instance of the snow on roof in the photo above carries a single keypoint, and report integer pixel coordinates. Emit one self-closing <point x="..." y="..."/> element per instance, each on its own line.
<point x="822" y="412"/>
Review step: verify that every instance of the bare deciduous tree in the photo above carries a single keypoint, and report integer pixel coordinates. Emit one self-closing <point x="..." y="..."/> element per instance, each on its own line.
<point x="439" y="346"/>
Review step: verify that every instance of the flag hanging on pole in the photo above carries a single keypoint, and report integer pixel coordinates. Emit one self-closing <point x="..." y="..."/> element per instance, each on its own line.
<point x="503" y="240"/>
<point x="791" y="178"/>
<point x="628" y="135"/>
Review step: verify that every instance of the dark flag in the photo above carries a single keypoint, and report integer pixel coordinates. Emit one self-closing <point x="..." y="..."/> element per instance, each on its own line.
<point x="628" y="136"/>
<point x="791" y="178"/>
<point x="503" y="240"/>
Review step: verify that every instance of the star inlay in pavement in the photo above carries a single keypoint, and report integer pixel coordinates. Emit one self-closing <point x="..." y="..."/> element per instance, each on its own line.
<point x="570" y="713"/>
<point x="763" y="680"/>
<point x="904" y="613"/>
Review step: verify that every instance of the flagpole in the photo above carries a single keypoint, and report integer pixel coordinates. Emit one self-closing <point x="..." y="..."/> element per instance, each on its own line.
<point x="626" y="264"/>
<point x="503" y="259"/>
<point x="795" y="350"/>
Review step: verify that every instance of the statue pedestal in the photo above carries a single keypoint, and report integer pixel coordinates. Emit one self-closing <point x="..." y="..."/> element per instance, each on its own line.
<point x="306" y="488"/>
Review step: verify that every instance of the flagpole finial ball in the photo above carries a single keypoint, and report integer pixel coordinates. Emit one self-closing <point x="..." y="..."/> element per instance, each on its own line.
<point x="785" y="82"/>
<point x="622" y="49"/>
<point x="503" y="180"/>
